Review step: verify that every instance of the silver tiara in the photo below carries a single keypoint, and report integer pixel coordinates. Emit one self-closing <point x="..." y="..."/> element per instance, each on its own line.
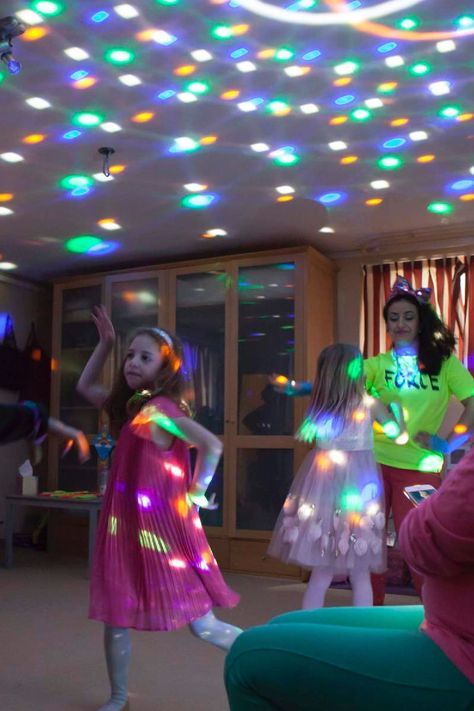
<point x="165" y="337"/>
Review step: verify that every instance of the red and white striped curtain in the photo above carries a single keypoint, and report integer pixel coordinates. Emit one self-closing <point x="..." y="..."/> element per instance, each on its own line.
<point x="451" y="281"/>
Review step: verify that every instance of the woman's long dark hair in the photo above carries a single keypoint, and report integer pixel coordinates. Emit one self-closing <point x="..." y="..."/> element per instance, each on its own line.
<point x="124" y="403"/>
<point x="436" y="341"/>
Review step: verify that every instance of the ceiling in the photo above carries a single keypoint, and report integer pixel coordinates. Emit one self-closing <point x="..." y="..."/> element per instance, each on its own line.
<point x="222" y="119"/>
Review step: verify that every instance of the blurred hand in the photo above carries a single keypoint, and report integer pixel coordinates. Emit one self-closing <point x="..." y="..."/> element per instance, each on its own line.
<point x="104" y="325"/>
<point x="202" y="502"/>
<point x="78" y="440"/>
<point x="279" y="383"/>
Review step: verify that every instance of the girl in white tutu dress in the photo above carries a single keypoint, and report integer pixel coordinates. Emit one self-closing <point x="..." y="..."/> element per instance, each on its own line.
<point x="333" y="519"/>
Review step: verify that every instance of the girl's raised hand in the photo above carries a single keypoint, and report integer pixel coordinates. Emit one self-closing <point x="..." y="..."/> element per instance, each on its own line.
<point x="104" y="325"/>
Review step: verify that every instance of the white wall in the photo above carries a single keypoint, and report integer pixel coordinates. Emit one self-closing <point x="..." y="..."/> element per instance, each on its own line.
<point x="26" y="303"/>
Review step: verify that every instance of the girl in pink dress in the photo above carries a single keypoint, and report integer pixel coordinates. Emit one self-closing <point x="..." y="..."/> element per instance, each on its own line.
<point x="153" y="568"/>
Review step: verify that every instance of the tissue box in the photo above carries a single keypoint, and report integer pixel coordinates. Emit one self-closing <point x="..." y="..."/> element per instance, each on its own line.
<point x="28" y="485"/>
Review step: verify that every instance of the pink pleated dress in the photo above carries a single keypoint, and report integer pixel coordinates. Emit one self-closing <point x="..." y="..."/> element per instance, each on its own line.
<point x="153" y="568"/>
<point x="334" y="515"/>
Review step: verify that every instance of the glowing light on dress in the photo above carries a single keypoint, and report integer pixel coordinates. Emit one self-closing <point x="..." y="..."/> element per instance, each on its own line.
<point x="266" y="9"/>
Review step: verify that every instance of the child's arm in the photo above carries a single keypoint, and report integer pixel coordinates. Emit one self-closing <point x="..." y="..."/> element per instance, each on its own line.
<point x="392" y="421"/>
<point x="88" y="384"/>
<point x="74" y="437"/>
<point x="150" y="423"/>
<point x="282" y="384"/>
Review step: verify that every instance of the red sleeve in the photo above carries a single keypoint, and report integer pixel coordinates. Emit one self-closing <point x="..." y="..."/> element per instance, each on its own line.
<point x="437" y="537"/>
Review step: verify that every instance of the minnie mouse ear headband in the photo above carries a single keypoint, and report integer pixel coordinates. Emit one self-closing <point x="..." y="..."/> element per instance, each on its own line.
<point x="402" y="287"/>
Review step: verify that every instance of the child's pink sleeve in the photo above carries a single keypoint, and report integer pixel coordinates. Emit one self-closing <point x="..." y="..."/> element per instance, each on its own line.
<point x="167" y="407"/>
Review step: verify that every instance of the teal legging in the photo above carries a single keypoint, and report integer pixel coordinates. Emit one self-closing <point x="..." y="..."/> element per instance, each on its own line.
<point x="351" y="658"/>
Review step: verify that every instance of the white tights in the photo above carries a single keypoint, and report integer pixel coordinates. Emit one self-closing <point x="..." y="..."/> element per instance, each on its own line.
<point x="320" y="581"/>
<point x="118" y="651"/>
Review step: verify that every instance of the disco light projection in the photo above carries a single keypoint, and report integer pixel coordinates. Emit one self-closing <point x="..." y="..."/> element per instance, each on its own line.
<point x="265" y="9"/>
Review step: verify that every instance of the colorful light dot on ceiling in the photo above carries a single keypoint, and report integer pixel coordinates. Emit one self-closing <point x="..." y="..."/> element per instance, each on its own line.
<point x="70" y="182"/>
<point x="394" y="143"/>
<point x="387" y="87"/>
<point x="222" y="32"/>
<point x="49" y="9"/>
<point x="87" y="118"/>
<point x="394" y="61"/>
<point x="126" y="11"/>
<point x="348" y="160"/>
<point x="309" y="108"/>
<point x="426" y="158"/>
<point x="71" y="135"/>
<point x="109" y="223"/>
<point x="467" y="197"/>
<point x="440" y="208"/>
<point x="76" y="53"/>
<point x="82" y="243"/>
<point x="372" y="202"/>
<point x="284" y="198"/>
<point x="117" y="168"/>
<point x="462" y="185"/>
<point x="333" y="198"/>
<point x="214" y="232"/>
<point x="208" y="140"/>
<point x="5" y="211"/>
<point x="380" y="184"/>
<point x="85" y="83"/>
<point x="230" y="95"/>
<point x="195" y="187"/>
<point x="143" y="117"/>
<point x="391" y="162"/>
<point x="11" y="157"/>
<point x="278" y="107"/>
<point x="408" y="23"/>
<point x="337" y="121"/>
<point x="119" y="56"/>
<point x="285" y="157"/>
<point x="198" y="87"/>
<point x="103" y="247"/>
<point x="184" y="70"/>
<point x="360" y="115"/>
<point x="420" y="68"/>
<point x="6" y="197"/>
<point x="465" y="21"/>
<point x="34" y="138"/>
<point x="399" y="122"/>
<point x="100" y="16"/>
<point x="198" y="201"/>
<point x="32" y="34"/>
<point x="449" y="111"/>
<point x="283" y="54"/>
<point x="8" y="266"/>
<point x="347" y="67"/>
<point x="29" y="17"/>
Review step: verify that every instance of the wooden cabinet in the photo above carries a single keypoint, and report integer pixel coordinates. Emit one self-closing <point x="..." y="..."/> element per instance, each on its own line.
<point x="240" y="318"/>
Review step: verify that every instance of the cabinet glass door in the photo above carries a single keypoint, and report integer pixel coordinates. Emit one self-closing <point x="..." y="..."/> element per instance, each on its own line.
<point x="200" y="325"/>
<point x="266" y="345"/>
<point x="135" y="303"/>
<point x="78" y="340"/>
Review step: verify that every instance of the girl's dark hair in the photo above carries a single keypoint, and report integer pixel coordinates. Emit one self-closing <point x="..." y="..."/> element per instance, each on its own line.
<point x="436" y="341"/>
<point x="124" y="403"/>
<point x="337" y="391"/>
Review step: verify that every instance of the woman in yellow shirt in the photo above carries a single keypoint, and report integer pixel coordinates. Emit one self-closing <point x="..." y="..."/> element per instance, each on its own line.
<point x="421" y="373"/>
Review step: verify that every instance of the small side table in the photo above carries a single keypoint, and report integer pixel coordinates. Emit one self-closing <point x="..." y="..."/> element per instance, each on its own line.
<point x="14" y="501"/>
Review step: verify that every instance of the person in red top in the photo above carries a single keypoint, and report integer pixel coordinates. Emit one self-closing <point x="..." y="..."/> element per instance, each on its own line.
<point x="437" y="539"/>
<point x="390" y="658"/>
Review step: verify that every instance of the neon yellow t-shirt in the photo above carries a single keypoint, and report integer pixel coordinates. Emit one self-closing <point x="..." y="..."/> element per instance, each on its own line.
<point x="424" y="399"/>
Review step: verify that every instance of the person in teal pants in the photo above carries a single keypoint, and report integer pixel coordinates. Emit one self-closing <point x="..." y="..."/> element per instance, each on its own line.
<point x="354" y="659"/>
<point x="378" y="658"/>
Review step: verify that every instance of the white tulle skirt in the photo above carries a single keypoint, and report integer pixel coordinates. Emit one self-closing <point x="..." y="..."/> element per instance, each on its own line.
<point x="334" y="514"/>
